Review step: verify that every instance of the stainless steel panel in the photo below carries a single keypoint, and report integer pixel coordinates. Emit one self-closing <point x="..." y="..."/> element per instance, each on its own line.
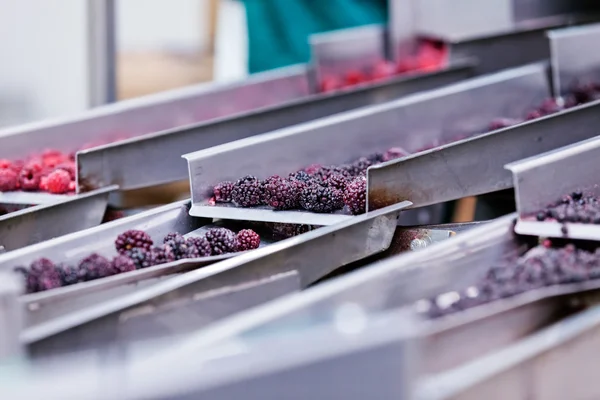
<point x="476" y="166"/>
<point x="402" y="34"/>
<point x="44" y="222"/>
<point x="155" y="159"/>
<point x="413" y="122"/>
<point x="574" y="56"/>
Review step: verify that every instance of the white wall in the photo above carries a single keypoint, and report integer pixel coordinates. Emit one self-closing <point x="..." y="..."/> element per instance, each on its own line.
<point x="43" y="59"/>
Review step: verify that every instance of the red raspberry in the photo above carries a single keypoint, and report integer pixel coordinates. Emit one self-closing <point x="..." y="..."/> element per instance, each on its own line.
<point x="355" y="77"/>
<point x="68" y="166"/>
<point x="57" y="182"/>
<point x="30" y="176"/>
<point x="52" y="158"/>
<point x="9" y="180"/>
<point x="383" y="70"/>
<point x="4" y="163"/>
<point x="329" y="84"/>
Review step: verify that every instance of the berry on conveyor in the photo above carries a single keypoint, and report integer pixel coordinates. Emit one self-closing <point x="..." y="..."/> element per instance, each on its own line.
<point x="57" y="182"/>
<point x="355" y="196"/>
<point x="69" y="274"/>
<point x="9" y="180"/>
<point x="178" y="245"/>
<point x="70" y="167"/>
<point x="302" y="177"/>
<point x="142" y="258"/>
<point x="159" y="255"/>
<point x="394" y="153"/>
<point x="30" y="176"/>
<point x="286" y="231"/>
<point x="222" y="241"/>
<point x="247" y="240"/>
<point x="95" y="266"/>
<point x="201" y="244"/>
<point x="282" y="194"/>
<point x="336" y="181"/>
<point x="131" y="239"/>
<point x="574" y="208"/>
<point x="321" y="199"/>
<point x="247" y="192"/>
<point x="121" y="264"/>
<point x="222" y="192"/>
<point x="361" y="165"/>
<point x="43" y="274"/>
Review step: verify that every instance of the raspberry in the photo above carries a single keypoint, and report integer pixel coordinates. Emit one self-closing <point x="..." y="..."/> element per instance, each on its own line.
<point x="383" y="70"/>
<point x="9" y="180"/>
<point x="132" y="239"/>
<point x="321" y="199"/>
<point x="57" y="182"/>
<point x="354" y="77"/>
<point x="201" y="244"/>
<point x="355" y="196"/>
<point x="222" y="192"/>
<point x="70" y="167"/>
<point x="30" y="176"/>
<point x="5" y="164"/>
<point x="329" y="84"/>
<point x="248" y="240"/>
<point x="95" y="266"/>
<point x="248" y="192"/>
<point x="222" y="241"/>
<point x="122" y="264"/>
<point x="52" y="158"/>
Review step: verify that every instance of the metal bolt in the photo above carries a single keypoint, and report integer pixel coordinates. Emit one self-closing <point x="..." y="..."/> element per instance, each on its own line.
<point x="418" y="244"/>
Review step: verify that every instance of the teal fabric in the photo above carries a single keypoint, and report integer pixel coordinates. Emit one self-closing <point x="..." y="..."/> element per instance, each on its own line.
<point x="278" y="30"/>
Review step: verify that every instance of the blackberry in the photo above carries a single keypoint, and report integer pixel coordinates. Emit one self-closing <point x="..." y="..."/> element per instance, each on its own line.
<point x="361" y="165"/>
<point x="142" y="258"/>
<point x="222" y="192"/>
<point x="301" y="176"/>
<point x="43" y="274"/>
<point x="376" y="158"/>
<point x="313" y="169"/>
<point x="160" y="255"/>
<point x="69" y="274"/>
<point x="282" y="194"/>
<point x="178" y="245"/>
<point x="95" y="266"/>
<point x="321" y="199"/>
<point x="201" y="244"/>
<point x="121" y="264"/>
<point x="336" y="181"/>
<point x="355" y="196"/>
<point x="248" y="240"/>
<point x="131" y="239"/>
<point x="285" y="231"/>
<point x="247" y="192"/>
<point x="222" y="241"/>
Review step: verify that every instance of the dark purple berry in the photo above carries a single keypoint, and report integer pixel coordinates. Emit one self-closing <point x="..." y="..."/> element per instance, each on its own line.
<point x="222" y="192"/>
<point x="69" y="274"/>
<point x="160" y="255"/>
<point x="336" y="181"/>
<point x="201" y="244"/>
<point x="321" y="199"/>
<point x="133" y="239"/>
<point x="248" y="192"/>
<point x="355" y="196"/>
<point x="222" y="241"/>
<point x="286" y="231"/>
<point x="282" y="194"/>
<point x="94" y="266"/>
<point x="178" y="245"/>
<point x="121" y="264"/>
<point x="142" y="258"/>
<point x="248" y="240"/>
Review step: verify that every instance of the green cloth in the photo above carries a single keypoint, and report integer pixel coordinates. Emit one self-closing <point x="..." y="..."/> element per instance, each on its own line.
<point x="278" y="30"/>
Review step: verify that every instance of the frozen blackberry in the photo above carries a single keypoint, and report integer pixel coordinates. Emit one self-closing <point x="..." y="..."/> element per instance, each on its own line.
<point x="312" y="169"/>
<point x="355" y="196"/>
<point x="247" y="240"/>
<point x="282" y="194"/>
<point x="69" y="274"/>
<point x="133" y="239"/>
<point x="361" y="165"/>
<point x="376" y="158"/>
<point x="222" y="192"/>
<point x="222" y="241"/>
<point x="301" y="176"/>
<point x="336" y="181"/>
<point x="176" y="243"/>
<point x="160" y="255"/>
<point x="285" y="231"/>
<point x="247" y="192"/>
<point x="142" y="258"/>
<point x="121" y="264"/>
<point x="43" y="274"/>
<point x="95" y="266"/>
<point x="321" y="199"/>
<point x="201" y="244"/>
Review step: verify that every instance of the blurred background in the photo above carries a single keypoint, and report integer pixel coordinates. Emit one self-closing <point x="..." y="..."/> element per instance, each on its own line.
<point x="47" y="68"/>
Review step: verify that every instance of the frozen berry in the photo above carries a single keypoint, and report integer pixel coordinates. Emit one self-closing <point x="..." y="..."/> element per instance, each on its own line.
<point x="336" y="181"/>
<point x="141" y="257"/>
<point x="383" y="70"/>
<point x="222" y="192"/>
<point x="201" y="244"/>
<point x="222" y="241"/>
<point x="321" y="199"/>
<point x="394" y="153"/>
<point x="69" y="274"/>
<point x="247" y="192"/>
<point x="355" y="196"/>
<point x="133" y="239"/>
<point x="122" y="264"/>
<point x="9" y="180"/>
<point x="70" y="167"/>
<point x="285" y="231"/>
<point x="57" y="182"/>
<point x="43" y="274"/>
<point x="30" y="176"/>
<point x="95" y="266"/>
<point x="176" y="243"/>
<point x="248" y="240"/>
<point x="282" y="194"/>
<point x="160" y="255"/>
<point x="5" y="164"/>
<point x="354" y="77"/>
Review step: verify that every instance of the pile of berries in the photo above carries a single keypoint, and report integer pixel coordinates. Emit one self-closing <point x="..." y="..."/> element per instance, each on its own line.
<point x="316" y="188"/>
<point x="136" y="250"/>
<point x="541" y="266"/>
<point x="52" y="171"/>
<point x="431" y="56"/>
<point x="572" y="208"/>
